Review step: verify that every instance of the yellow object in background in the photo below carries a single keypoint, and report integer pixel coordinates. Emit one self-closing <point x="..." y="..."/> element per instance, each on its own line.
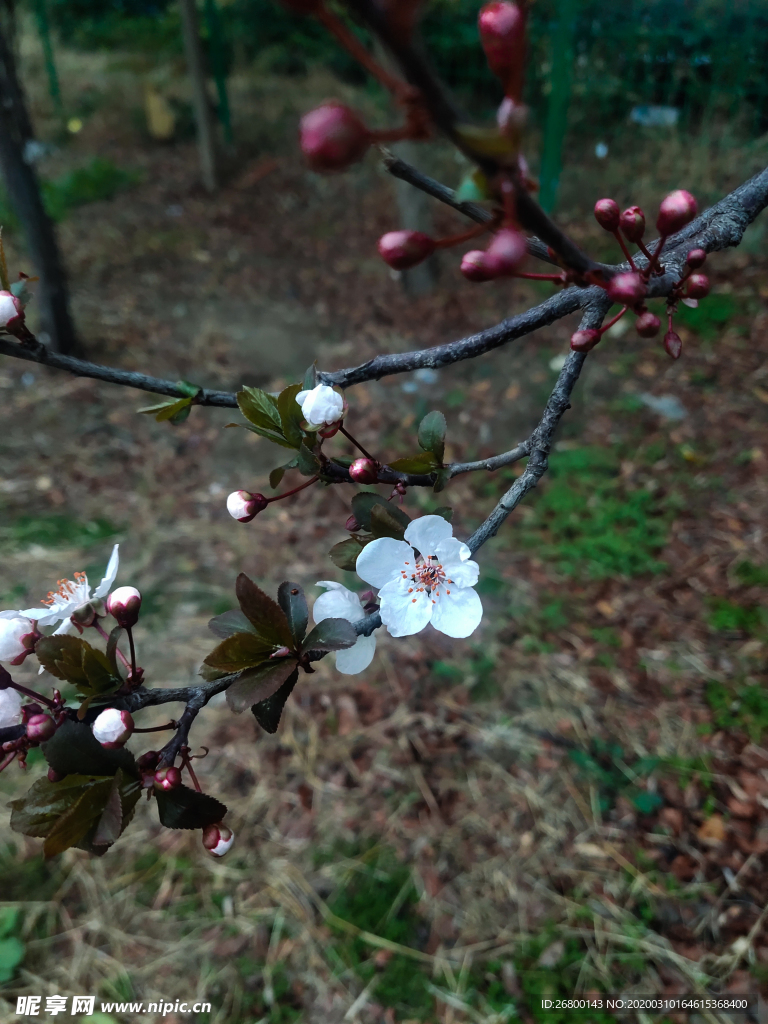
<point x="161" y="120"/>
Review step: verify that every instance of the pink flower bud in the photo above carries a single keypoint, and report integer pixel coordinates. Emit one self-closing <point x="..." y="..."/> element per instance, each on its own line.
<point x="511" y="117"/>
<point x="352" y="525"/>
<point x="647" y="325"/>
<point x="698" y="286"/>
<point x="333" y="137"/>
<point x="113" y="728"/>
<point x="11" y="310"/>
<point x="244" y="506"/>
<point x="607" y="214"/>
<point x="40" y="728"/>
<point x="627" y="289"/>
<point x="124" y="604"/>
<point x="632" y="223"/>
<point x="168" y="778"/>
<point x="363" y="471"/>
<point x="696" y="258"/>
<point x="217" y="839"/>
<point x="148" y="761"/>
<point x="506" y="252"/>
<point x="475" y="266"/>
<point x="502" y="30"/>
<point x="404" y="249"/>
<point x="584" y="341"/>
<point x="54" y="776"/>
<point x="673" y="344"/>
<point x="677" y="210"/>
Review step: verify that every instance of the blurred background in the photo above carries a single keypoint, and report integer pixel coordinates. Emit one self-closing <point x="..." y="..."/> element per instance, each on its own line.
<point x="575" y="798"/>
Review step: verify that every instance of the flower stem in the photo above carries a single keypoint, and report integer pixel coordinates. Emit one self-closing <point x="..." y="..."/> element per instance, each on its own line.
<point x="6" y="761"/>
<point x="287" y="494"/>
<point x="129" y="631"/>
<point x="159" y="728"/>
<point x="102" y="632"/>
<point x="465" y="236"/>
<point x="33" y="694"/>
<point x="357" y="444"/>
<point x="624" y="249"/>
<point x="609" y="325"/>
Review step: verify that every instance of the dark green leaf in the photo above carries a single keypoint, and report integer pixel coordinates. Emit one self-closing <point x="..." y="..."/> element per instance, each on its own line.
<point x="384" y="523"/>
<point x="227" y="623"/>
<point x="262" y="432"/>
<point x="442" y="476"/>
<point x="73" y="659"/>
<point x="110" y="824"/>
<point x="180" y="415"/>
<point x="266" y="616"/>
<point x="291" y="416"/>
<point x="176" y="410"/>
<point x="260" y="409"/>
<point x="238" y="652"/>
<point x="186" y="808"/>
<point x="112" y="642"/>
<point x="74" y="750"/>
<point x="331" y="635"/>
<point x="257" y="684"/>
<point x="344" y="554"/>
<point x="309" y="464"/>
<point x="45" y="802"/>
<point x="98" y="671"/>
<point x="310" y="377"/>
<point x="291" y="599"/>
<point x="445" y="511"/>
<point x="192" y="390"/>
<point x="364" y="501"/>
<point x="210" y="674"/>
<point x="11" y="954"/>
<point x="276" y="476"/>
<point x="268" y="712"/>
<point x="342" y="461"/>
<point x="432" y="430"/>
<point x="424" y="462"/>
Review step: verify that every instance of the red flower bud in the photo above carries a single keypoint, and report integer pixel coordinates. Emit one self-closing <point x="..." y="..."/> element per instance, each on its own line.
<point x="475" y="266"/>
<point x="696" y="258"/>
<point x="632" y="223"/>
<point x="647" y="325"/>
<point x="506" y="252"/>
<point x="148" y="761"/>
<point x="673" y="344"/>
<point x="404" y="249"/>
<point x="363" y="471"/>
<point x="502" y="32"/>
<point x="698" y="286"/>
<point x="607" y="214"/>
<point x="243" y="506"/>
<point x="54" y="776"/>
<point x="352" y="525"/>
<point x="677" y="210"/>
<point x="584" y="341"/>
<point x="627" y="289"/>
<point x="124" y="604"/>
<point x="333" y="137"/>
<point x="217" y="839"/>
<point x="40" y="728"/>
<point x="168" y="778"/>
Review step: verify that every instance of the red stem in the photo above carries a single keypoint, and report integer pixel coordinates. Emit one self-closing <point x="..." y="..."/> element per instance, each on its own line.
<point x="8" y="759"/>
<point x="355" y="48"/>
<point x="159" y="728"/>
<point x="287" y="494"/>
<point x="541" y="277"/>
<point x="32" y="694"/>
<point x="609" y="325"/>
<point x="357" y="444"/>
<point x="624" y="249"/>
<point x="465" y="236"/>
<point x="186" y="763"/>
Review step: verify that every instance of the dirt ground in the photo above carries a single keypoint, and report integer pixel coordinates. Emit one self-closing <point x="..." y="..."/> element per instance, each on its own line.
<point x="574" y="801"/>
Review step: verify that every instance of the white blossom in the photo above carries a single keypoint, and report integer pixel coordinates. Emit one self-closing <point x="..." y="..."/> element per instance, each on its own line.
<point x="113" y="728"/>
<point x="13" y="628"/>
<point x="434" y="586"/>
<point x="339" y="603"/>
<point x="70" y="597"/>
<point x="321" y="406"/>
<point x="10" y="308"/>
<point x="10" y="707"/>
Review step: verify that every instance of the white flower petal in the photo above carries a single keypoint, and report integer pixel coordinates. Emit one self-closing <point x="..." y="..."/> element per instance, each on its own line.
<point x="452" y="550"/>
<point x="12" y="629"/>
<point x="67" y="626"/>
<point x="463" y="574"/>
<point x="320" y="406"/>
<point x="382" y="559"/>
<point x="10" y="707"/>
<point x="404" y="612"/>
<point x="427" y="532"/>
<point x="337" y="603"/>
<point x="457" y="614"/>
<point x="109" y="576"/>
<point x="356" y="659"/>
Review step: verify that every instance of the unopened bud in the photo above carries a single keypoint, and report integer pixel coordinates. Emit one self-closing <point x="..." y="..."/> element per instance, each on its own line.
<point x="502" y="30"/>
<point x="584" y="341"/>
<point x="628" y="289"/>
<point x="607" y="214"/>
<point x="352" y="525"/>
<point x="696" y="258"/>
<point x="54" y="776"/>
<point x="244" y="506"/>
<point x="506" y="252"/>
<point x="475" y="266"/>
<point x="677" y="210"/>
<point x="363" y="471"/>
<point x="333" y="137"/>
<point x="404" y="249"/>
<point x="330" y="431"/>
<point x="697" y="287"/>
<point x="113" y="728"/>
<point x="40" y="728"/>
<point x="124" y="604"/>
<point x="217" y="839"/>
<point x="673" y="344"/>
<point x="632" y="223"/>
<point x="148" y="761"/>
<point x="168" y="778"/>
<point x="647" y="325"/>
<point x="11" y="311"/>
<point x="511" y="117"/>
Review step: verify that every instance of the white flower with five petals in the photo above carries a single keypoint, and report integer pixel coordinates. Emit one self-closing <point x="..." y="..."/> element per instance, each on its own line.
<point x="434" y="585"/>
<point x="339" y="603"/>
<point x="321" y="406"/>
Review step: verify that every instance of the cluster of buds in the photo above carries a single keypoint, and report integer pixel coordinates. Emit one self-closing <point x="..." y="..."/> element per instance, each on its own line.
<point x="32" y="723"/>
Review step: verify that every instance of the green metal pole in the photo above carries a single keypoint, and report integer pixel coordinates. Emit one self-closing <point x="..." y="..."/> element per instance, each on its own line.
<point x="43" y="27"/>
<point x="213" y="24"/>
<point x="559" y="100"/>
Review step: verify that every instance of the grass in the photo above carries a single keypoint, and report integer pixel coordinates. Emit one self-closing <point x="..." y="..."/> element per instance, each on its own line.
<point x="743" y="708"/>
<point x="56" y="531"/>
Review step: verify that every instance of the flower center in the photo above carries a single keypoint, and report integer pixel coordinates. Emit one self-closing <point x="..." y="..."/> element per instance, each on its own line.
<point x="426" y="575"/>
<point x="65" y="589"/>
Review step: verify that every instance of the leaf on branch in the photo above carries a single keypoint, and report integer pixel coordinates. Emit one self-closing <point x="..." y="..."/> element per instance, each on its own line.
<point x="176" y="410"/>
<point x="270" y="436"/>
<point x="344" y="555"/>
<point x="227" y="623"/>
<point x="308" y="463"/>
<point x="185" y="808"/>
<point x="310" y="377"/>
<point x="265" y="615"/>
<point x="386" y="523"/>
<point x="331" y="635"/>
<point x="474" y="188"/>
<point x="239" y="652"/>
<point x="442" y="476"/>
<point x="73" y="659"/>
<point x="445" y="511"/>
<point x="269" y="712"/>
<point x="291" y="599"/>
<point x="432" y="431"/>
<point x="291" y="416"/>
<point x="74" y="750"/>
<point x="257" y="684"/>
<point x="363" y="503"/>
<point x="424" y="462"/>
<point x="277" y="474"/>
<point x="260" y="409"/>
<point x="187" y="388"/>
<point x="112" y="642"/>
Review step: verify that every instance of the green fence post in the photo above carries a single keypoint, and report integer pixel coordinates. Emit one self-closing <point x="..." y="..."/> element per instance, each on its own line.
<point x="213" y="23"/>
<point x="557" y="109"/>
<point x="41" y="16"/>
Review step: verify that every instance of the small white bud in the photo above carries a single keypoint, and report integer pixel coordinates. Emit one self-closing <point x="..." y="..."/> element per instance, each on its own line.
<point x="217" y="839"/>
<point x="124" y="604"/>
<point x="113" y="728"/>
<point x="13" y="632"/>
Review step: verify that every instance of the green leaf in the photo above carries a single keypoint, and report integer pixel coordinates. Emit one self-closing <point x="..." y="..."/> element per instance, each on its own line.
<point x="384" y="523"/>
<point x="276" y="476"/>
<point x="238" y="652"/>
<point x="432" y="430"/>
<point x="331" y="635"/>
<point x="474" y="188"/>
<point x="268" y="712"/>
<point x="310" y="377"/>
<point x="176" y="410"/>
<point x="342" y="461"/>
<point x="291" y="417"/>
<point x="112" y="642"/>
<point x="344" y="554"/>
<point x="98" y="671"/>
<point x="260" y="409"/>
<point x="485" y="141"/>
<point x="265" y="615"/>
<point x="192" y="390"/>
<point x="73" y="659"/>
<point x="11" y="954"/>
<point x="270" y="435"/>
<point x="227" y="623"/>
<point x="8" y="919"/>
<point x="186" y="808"/>
<point x="442" y="476"/>
<point x="363" y="503"/>
<point x="445" y="511"/>
<point x="291" y="599"/>
<point x="259" y="683"/>
<point x="74" y="750"/>
<point x="309" y="464"/>
<point x="73" y="826"/>
<point x="424" y="462"/>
